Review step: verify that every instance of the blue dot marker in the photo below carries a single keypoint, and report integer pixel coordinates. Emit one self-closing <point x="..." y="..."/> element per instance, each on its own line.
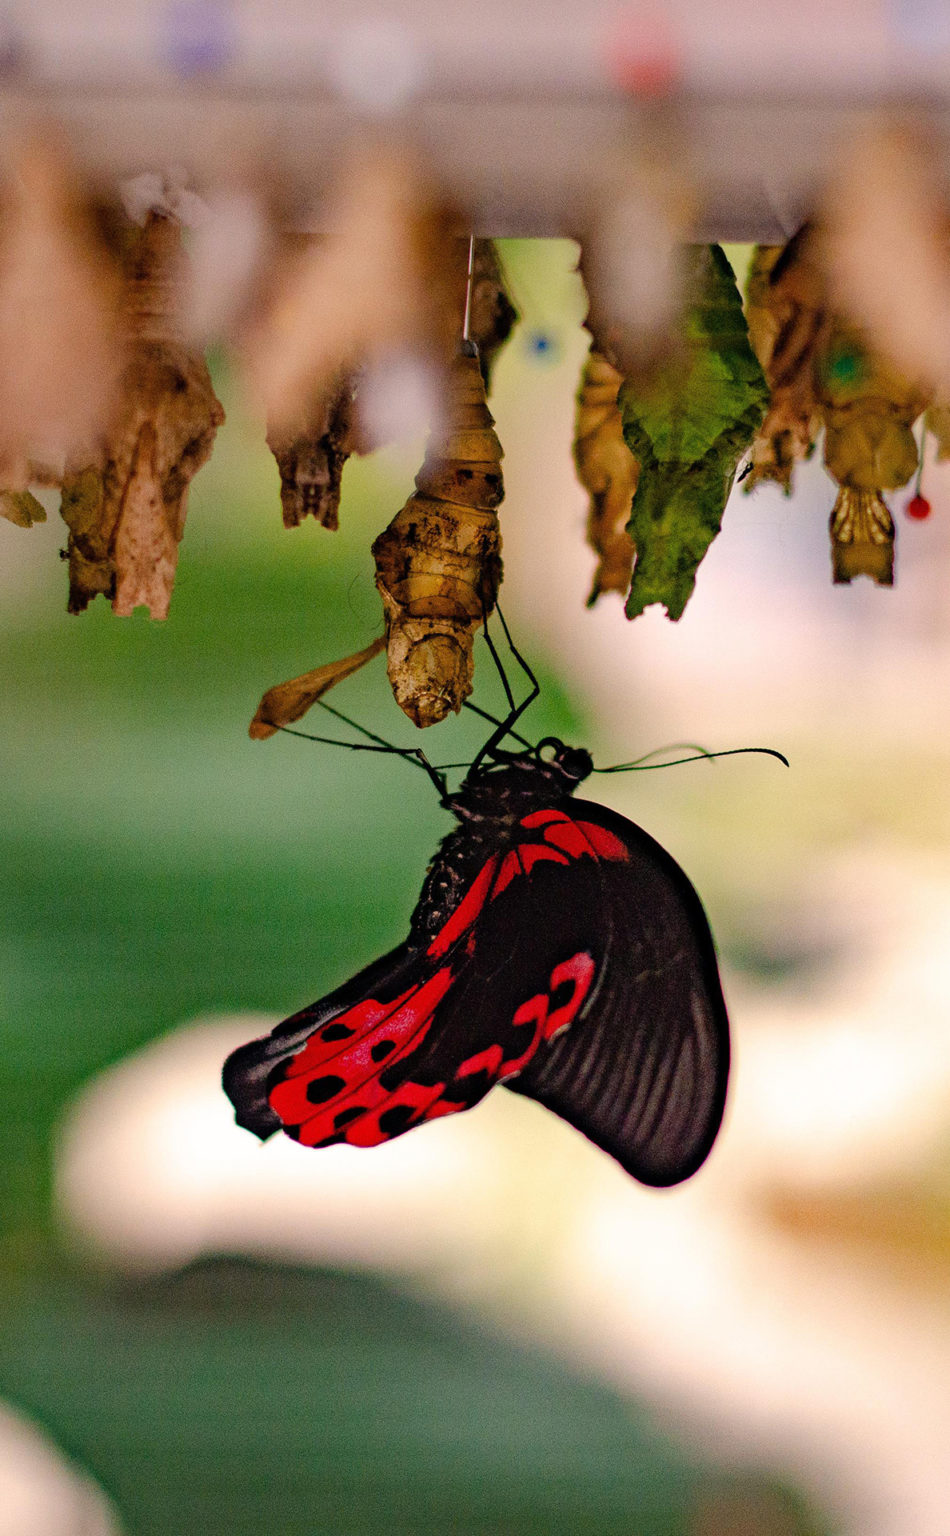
<point x="542" y="346"/>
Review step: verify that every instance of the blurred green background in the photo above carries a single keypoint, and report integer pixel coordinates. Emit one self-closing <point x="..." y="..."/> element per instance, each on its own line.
<point x="160" y="866"/>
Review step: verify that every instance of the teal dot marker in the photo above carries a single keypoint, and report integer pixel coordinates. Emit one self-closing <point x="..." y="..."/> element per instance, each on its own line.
<point x="846" y="367"/>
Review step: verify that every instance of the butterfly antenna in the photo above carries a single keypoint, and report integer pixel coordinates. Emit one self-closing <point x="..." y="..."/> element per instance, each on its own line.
<point x="408" y="754"/>
<point x="694" y="747"/>
<point x="640" y="764"/>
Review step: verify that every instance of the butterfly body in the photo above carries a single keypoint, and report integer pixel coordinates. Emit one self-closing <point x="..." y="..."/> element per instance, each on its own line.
<point x="555" y="948"/>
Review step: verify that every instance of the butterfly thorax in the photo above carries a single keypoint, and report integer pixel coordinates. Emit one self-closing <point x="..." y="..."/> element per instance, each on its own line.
<point x="489" y="805"/>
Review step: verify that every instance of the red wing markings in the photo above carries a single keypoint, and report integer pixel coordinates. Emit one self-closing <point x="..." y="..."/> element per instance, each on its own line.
<point x="577" y="837"/>
<point x="579" y="970"/>
<point x="313" y="1098"/>
<point x="332" y="1089"/>
<point x="564" y="839"/>
<point x="359" y="1110"/>
<point x="467" y="910"/>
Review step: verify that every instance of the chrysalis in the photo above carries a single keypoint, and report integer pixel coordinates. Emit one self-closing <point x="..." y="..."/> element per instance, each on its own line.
<point x="788" y="326"/>
<point x="688" y="427"/>
<point x="886" y="213"/>
<point x="608" y="472"/>
<point x="438" y="564"/>
<point x="868" y="409"/>
<point x="312" y="451"/>
<point x="59" y="329"/>
<point x="311" y="457"/>
<point x="125" y="507"/>
<point x="380" y="286"/>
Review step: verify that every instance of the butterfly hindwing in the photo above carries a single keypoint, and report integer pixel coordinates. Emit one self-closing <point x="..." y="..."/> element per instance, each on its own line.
<point x="644" y="1075"/>
<point x="577" y="967"/>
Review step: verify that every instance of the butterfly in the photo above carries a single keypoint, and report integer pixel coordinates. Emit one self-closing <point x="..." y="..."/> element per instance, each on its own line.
<point x="555" y="949"/>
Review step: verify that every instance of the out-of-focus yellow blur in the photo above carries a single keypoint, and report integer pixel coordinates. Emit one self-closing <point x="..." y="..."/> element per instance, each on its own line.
<point x="788" y="1307"/>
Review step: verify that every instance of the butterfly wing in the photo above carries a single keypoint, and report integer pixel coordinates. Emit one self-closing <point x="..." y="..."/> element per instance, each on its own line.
<point x="643" y="1072"/>
<point x="251" y="1071"/>
<point x="423" y="1032"/>
<point x="577" y="967"/>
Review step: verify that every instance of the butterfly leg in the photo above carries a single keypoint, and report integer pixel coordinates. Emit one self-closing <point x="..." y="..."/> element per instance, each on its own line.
<point x="535" y="685"/>
<point x="504" y="727"/>
<point x="494" y="720"/>
<point x="498" y="665"/>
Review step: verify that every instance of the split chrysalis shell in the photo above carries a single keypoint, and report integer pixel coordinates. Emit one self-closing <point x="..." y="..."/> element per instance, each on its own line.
<point x="438" y="564"/>
<point x="608" y="472"/>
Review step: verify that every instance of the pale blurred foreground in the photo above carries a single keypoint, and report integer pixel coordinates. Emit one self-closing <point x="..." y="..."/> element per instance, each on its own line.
<point x="788" y="1306"/>
<point x="748" y="1329"/>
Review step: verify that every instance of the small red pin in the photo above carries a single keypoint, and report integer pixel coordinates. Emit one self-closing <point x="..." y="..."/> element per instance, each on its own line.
<point x="919" y="508"/>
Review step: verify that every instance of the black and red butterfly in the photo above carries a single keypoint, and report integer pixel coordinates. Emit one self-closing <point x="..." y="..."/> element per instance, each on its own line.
<point x="555" y="948"/>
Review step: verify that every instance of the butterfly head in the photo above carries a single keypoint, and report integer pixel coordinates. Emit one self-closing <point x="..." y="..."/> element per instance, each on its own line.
<point x="566" y="766"/>
<point x="514" y="782"/>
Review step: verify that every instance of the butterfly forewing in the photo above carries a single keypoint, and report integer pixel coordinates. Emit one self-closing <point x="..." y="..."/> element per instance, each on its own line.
<point x="575" y="967"/>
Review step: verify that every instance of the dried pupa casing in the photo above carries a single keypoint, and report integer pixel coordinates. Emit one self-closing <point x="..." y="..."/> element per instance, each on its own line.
<point x="380" y="285"/>
<point x="788" y="325"/>
<point x="312" y="449"/>
<point x="60" y="290"/>
<point x="287" y="702"/>
<point x="886" y="213"/>
<point x="608" y="472"/>
<point x="311" y="456"/>
<point x="869" y="409"/>
<point x="125" y="505"/>
<point x="438" y="564"/>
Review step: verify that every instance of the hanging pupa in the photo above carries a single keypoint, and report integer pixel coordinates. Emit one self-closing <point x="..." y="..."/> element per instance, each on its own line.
<point x="312" y="451"/>
<point x="608" y="472"/>
<point x="788" y="327"/>
<point x="125" y="504"/>
<point x="869" y="410"/>
<point x="438" y="564"/>
<point x="59" y="328"/>
<point x="688" y="427"/>
<point x="311" y="457"/>
<point x="377" y="290"/>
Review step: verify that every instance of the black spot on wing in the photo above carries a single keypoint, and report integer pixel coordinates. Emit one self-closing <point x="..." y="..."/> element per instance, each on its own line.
<point x="336" y="1032"/>
<point x="382" y="1049"/>
<point x="396" y="1120"/>
<point x="323" y="1088"/>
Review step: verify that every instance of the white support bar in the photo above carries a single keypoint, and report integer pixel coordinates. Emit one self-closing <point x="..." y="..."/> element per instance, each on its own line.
<point x="519" y="105"/>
